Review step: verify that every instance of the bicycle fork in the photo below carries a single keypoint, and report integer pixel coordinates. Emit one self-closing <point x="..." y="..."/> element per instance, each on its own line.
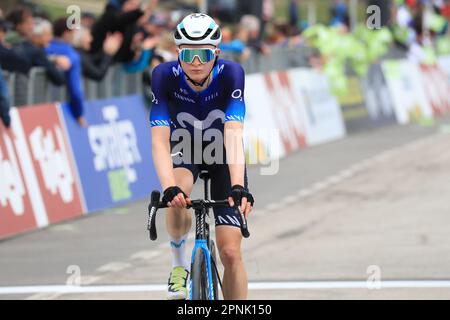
<point x="201" y="241"/>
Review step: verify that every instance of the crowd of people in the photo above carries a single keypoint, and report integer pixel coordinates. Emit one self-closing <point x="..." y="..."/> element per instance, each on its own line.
<point x="141" y="37"/>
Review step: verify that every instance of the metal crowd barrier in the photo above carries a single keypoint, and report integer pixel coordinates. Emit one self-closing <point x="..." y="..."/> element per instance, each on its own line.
<point x="36" y="88"/>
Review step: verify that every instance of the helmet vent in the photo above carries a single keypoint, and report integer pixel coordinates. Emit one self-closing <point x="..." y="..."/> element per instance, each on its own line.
<point x="216" y="35"/>
<point x="196" y="38"/>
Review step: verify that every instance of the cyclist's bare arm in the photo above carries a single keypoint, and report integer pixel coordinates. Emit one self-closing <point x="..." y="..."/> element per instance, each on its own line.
<point x="163" y="162"/>
<point x="161" y="156"/>
<point x="234" y="147"/>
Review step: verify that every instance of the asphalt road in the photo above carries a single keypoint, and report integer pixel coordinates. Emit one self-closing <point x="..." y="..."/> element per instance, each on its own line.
<point x="366" y="217"/>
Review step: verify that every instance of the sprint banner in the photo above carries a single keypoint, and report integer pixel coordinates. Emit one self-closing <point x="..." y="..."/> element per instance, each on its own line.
<point x="113" y="154"/>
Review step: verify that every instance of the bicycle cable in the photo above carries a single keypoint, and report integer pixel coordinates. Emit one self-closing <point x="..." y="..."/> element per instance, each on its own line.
<point x="218" y="276"/>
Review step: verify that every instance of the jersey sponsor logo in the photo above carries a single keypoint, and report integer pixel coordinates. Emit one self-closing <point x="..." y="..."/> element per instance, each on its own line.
<point x="220" y="68"/>
<point x="237" y="94"/>
<point x="180" y="97"/>
<point x="185" y="118"/>
<point x="154" y="100"/>
<point x="211" y="97"/>
<point x="177" y="71"/>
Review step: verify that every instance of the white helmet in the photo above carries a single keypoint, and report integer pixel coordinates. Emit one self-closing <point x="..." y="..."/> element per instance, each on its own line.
<point x="198" y="28"/>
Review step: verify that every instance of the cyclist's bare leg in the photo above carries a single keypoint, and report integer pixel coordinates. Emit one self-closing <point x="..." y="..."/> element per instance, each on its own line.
<point x="178" y="221"/>
<point x="229" y="240"/>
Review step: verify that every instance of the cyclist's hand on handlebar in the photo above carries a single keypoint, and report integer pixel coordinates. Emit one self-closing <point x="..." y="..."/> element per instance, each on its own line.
<point x="243" y="198"/>
<point x="175" y="197"/>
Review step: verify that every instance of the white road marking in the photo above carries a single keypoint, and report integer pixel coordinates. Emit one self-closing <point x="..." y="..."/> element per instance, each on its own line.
<point x="114" y="267"/>
<point x="283" y="285"/>
<point x="145" y="255"/>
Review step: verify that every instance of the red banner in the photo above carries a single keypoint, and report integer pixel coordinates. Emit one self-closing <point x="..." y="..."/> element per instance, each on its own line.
<point x="38" y="183"/>
<point x="16" y="211"/>
<point x="437" y="88"/>
<point x="52" y="162"/>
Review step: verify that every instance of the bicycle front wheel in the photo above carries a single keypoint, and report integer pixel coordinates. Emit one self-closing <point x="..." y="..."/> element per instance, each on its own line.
<point x="199" y="276"/>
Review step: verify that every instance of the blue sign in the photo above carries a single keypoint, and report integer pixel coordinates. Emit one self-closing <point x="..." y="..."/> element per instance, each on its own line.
<point x="113" y="154"/>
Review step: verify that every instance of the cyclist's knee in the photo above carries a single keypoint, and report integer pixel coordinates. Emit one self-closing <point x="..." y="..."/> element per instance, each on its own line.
<point x="230" y="256"/>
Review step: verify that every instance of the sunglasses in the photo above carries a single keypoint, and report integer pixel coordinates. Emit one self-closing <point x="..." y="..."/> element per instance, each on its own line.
<point x="205" y="55"/>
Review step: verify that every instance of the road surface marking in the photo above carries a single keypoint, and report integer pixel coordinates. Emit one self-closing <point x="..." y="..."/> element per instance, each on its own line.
<point x="284" y="285"/>
<point x="114" y="267"/>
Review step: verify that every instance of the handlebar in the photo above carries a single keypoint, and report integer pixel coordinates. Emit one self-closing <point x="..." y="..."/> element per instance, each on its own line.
<point x="156" y="204"/>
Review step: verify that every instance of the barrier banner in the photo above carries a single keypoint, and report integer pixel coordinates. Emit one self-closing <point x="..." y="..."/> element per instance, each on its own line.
<point x="113" y="154"/>
<point x="38" y="181"/>
<point x="262" y="138"/>
<point x="444" y="64"/>
<point x="405" y="87"/>
<point x="319" y="108"/>
<point x="284" y="109"/>
<point x="437" y="88"/>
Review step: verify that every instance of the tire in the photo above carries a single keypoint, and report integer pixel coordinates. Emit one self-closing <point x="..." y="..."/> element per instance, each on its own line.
<point x="212" y="249"/>
<point x="199" y="277"/>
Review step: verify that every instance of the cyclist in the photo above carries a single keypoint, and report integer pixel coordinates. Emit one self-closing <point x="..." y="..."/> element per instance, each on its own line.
<point x="196" y="98"/>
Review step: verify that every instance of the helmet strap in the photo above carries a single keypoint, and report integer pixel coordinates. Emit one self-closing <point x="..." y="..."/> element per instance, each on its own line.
<point x="202" y="83"/>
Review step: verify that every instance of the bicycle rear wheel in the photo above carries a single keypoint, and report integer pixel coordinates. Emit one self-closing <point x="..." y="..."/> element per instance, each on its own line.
<point x="199" y="276"/>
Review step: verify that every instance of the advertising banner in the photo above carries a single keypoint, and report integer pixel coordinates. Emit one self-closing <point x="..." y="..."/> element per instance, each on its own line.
<point x="113" y="154"/>
<point x="320" y="110"/>
<point x="406" y="90"/>
<point x="38" y="180"/>
<point x="437" y="88"/>
<point x="262" y="137"/>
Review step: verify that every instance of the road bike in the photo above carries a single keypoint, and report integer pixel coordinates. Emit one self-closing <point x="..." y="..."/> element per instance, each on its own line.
<point x="204" y="272"/>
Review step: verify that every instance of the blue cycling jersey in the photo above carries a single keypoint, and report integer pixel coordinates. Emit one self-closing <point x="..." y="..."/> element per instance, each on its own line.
<point x="177" y="105"/>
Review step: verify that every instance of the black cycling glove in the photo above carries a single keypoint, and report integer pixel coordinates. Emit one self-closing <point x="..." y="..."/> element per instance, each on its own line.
<point x="171" y="193"/>
<point x="238" y="192"/>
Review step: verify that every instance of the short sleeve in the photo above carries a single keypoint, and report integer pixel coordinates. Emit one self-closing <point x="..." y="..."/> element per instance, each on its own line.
<point x="159" y="114"/>
<point x="235" y="110"/>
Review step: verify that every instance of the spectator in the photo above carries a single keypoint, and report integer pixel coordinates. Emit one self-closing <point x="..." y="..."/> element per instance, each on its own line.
<point x="21" y="20"/>
<point x="339" y="14"/>
<point x="167" y="48"/>
<point x="4" y="102"/>
<point x="3" y="30"/>
<point x="121" y="16"/>
<point x="33" y="49"/>
<point x="143" y="53"/>
<point x="95" y="65"/>
<point x="251" y="28"/>
<point x="10" y="61"/>
<point x="61" y="45"/>
<point x="294" y="12"/>
<point x="13" y="62"/>
<point x="87" y="19"/>
<point x="235" y="46"/>
<point x="26" y="29"/>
